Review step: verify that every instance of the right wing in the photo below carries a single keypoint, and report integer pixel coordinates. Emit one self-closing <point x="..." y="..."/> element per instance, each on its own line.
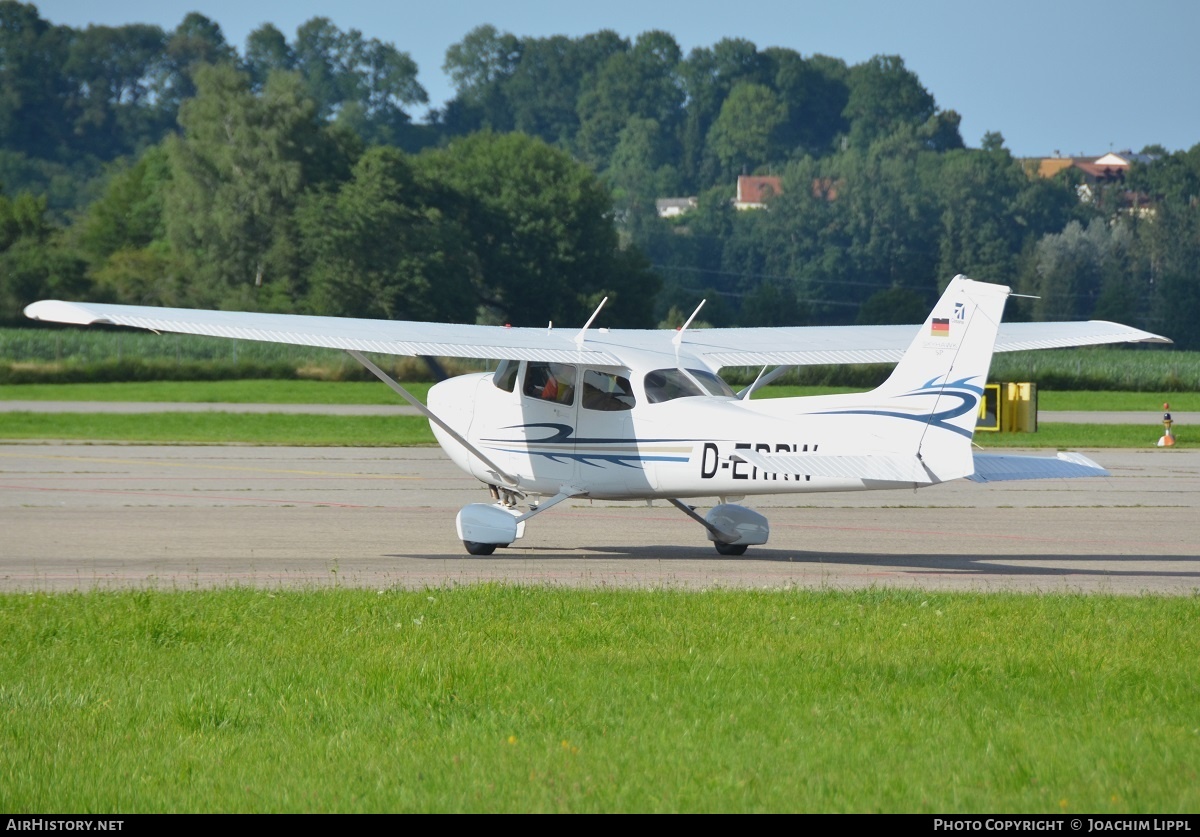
<point x="715" y="347"/>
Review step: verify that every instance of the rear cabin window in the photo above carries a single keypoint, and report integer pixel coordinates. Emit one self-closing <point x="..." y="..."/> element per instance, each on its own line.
<point x="606" y="392"/>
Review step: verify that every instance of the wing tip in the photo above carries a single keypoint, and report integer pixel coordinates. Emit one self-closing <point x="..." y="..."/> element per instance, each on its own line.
<point x="57" y="311"/>
<point x="1139" y="335"/>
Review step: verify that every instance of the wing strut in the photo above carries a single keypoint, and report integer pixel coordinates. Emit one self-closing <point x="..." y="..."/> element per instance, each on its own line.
<point x="429" y="414"/>
<point x="762" y="380"/>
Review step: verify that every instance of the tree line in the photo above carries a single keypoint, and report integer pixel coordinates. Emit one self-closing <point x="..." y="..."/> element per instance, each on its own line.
<point x="168" y="168"/>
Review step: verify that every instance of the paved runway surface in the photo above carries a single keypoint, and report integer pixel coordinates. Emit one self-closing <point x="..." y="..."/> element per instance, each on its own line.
<point x="83" y="516"/>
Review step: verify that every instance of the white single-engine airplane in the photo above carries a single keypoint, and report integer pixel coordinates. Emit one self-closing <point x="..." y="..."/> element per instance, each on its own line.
<point x="642" y="414"/>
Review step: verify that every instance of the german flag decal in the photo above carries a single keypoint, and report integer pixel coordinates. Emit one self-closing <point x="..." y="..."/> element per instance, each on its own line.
<point x="940" y="327"/>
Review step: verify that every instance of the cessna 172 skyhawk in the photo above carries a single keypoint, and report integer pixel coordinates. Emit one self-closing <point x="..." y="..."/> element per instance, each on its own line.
<point x="643" y="415"/>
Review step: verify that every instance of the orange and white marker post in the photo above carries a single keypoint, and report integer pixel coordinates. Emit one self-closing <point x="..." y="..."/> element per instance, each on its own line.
<point x="1168" y="438"/>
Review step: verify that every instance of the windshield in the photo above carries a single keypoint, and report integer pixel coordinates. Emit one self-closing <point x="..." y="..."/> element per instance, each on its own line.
<point x="669" y="384"/>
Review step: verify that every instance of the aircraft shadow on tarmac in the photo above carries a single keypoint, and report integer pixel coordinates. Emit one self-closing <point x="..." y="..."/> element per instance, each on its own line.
<point x="1112" y="566"/>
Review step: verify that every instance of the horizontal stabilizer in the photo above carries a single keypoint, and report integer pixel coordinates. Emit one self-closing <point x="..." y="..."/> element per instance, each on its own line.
<point x="998" y="467"/>
<point x="882" y="467"/>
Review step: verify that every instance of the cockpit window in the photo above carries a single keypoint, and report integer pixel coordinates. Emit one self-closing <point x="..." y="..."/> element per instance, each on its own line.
<point x="550" y="382"/>
<point x="713" y="383"/>
<point x="607" y="392"/>
<point x="669" y="384"/>
<point x="506" y="375"/>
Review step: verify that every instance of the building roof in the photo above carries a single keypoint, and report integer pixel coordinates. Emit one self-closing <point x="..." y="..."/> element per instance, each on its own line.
<point x="1050" y="166"/>
<point x="757" y="189"/>
<point x="1103" y="173"/>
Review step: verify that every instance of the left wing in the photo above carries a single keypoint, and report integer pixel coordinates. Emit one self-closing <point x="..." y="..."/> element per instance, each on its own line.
<point x="714" y="347"/>
<point x="389" y="337"/>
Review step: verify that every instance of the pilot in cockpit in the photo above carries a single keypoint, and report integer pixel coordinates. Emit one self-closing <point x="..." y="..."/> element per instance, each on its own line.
<point x="551" y="382"/>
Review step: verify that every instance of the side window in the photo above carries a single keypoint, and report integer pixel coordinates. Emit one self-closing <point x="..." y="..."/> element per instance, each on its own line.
<point x="713" y="383"/>
<point x="550" y="382"/>
<point x="669" y="384"/>
<point x="604" y="391"/>
<point x="506" y="375"/>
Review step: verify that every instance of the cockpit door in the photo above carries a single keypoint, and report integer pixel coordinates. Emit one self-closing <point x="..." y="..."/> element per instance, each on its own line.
<point x="544" y="441"/>
<point x="608" y="456"/>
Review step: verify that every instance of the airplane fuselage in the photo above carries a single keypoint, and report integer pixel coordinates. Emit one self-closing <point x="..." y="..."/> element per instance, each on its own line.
<point x="649" y="449"/>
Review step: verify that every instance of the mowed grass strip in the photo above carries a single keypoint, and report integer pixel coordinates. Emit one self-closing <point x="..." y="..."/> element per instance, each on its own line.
<point x="1149" y="402"/>
<point x="388" y="431"/>
<point x="506" y="698"/>
<point x="372" y="392"/>
<point x="1074" y="400"/>
<point x="1063" y="436"/>
<point x="232" y="392"/>
<point x="220" y="428"/>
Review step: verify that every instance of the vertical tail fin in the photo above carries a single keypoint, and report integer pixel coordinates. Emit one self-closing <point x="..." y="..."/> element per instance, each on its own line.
<point x="953" y="349"/>
<point x="923" y="416"/>
<point x="939" y="382"/>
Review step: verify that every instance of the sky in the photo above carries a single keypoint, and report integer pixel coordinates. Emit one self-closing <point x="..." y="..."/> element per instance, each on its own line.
<point x="1056" y="76"/>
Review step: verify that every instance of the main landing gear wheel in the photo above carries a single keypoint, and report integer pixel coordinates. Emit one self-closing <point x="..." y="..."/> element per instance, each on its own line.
<point x="730" y="548"/>
<point x="488" y="548"/>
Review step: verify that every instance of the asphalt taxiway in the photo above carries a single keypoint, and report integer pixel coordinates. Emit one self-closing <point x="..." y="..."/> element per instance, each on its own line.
<point x="86" y="516"/>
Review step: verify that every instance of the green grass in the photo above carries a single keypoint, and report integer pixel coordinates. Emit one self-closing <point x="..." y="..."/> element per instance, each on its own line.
<point x="1091" y="368"/>
<point x="398" y="431"/>
<point x="79" y="354"/>
<point x="234" y="392"/>
<point x="1102" y="368"/>
<point x="221" y="428"/>
<point x="1071" y="436"/>
<point x="372" y="392"/>
<point x="503" y="698"/>
<point x="101" y="344"/>
<point x="1148" y="402"/>
<point x="1084" y="400"/>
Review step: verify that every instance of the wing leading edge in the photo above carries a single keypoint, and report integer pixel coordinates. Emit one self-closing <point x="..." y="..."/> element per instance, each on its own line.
<point x="389" y="337"/>
<point x="716" y="347"/>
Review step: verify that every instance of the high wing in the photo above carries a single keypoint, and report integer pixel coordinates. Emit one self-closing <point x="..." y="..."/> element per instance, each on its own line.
<point x="715" y="347"/>
<point x="832" y="345"/>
